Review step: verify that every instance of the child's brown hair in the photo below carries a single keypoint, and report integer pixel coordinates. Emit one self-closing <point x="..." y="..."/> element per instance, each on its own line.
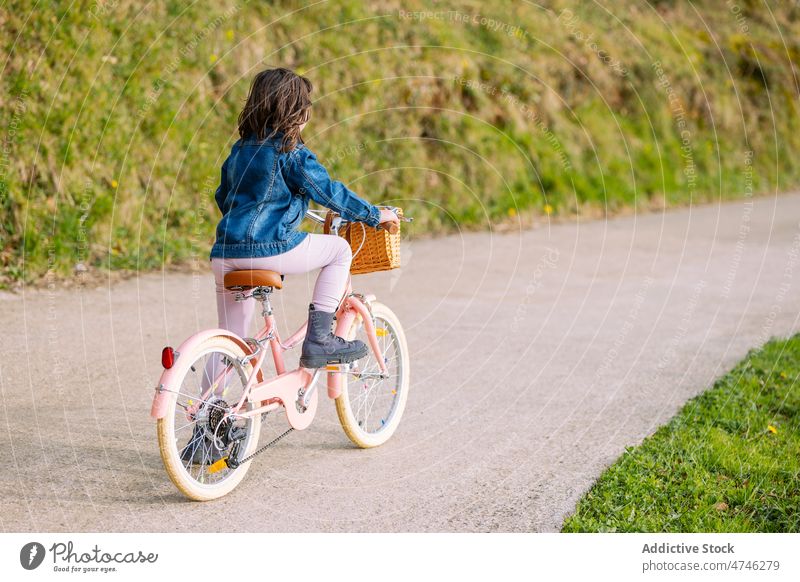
<point x="279" y="101"/>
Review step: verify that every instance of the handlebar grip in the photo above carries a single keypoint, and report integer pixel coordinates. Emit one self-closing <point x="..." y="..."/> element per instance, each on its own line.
<point x="392" y="227"/>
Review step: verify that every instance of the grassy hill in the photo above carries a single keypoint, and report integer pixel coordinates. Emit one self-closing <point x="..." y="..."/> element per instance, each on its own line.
<point x="115" y="116"/>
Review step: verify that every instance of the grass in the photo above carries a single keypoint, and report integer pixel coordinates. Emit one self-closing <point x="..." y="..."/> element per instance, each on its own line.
<point x="728" y="462"/>
<point x="116" y="115"/>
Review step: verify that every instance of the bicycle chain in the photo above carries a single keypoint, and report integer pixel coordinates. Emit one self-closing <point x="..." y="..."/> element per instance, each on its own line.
<point x="259" y="451"/>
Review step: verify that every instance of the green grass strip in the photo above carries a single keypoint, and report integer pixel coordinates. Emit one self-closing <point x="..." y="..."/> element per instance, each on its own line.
<point x="728" y="462"/>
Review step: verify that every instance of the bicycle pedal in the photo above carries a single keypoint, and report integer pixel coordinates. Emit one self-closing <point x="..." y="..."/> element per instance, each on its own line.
<point x="337" y="367"/>
<point x="219" y="465"/>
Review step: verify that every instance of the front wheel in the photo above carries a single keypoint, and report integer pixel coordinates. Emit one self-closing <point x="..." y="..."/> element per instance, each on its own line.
<point x="370" y="407"/>
<point x="196" y="433"/>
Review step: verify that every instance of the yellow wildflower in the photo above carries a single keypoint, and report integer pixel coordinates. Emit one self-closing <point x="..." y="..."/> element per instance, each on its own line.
<point x="772" y="429"/>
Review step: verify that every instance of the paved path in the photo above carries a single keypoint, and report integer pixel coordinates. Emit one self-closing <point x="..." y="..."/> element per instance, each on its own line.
<point x="537" y="358"/>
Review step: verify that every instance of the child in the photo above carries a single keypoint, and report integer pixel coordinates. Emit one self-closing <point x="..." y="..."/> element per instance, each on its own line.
<point x="266" y="185"/>
<point x="267" y="182"/>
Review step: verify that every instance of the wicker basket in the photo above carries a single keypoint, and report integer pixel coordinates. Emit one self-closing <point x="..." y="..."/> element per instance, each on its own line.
<point x="374" y="249"/>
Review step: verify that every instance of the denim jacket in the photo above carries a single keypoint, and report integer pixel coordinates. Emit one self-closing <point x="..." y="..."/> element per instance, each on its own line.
<point x="264" y="194"/>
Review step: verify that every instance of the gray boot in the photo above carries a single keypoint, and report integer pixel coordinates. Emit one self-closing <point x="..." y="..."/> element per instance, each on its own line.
<point x="321" y="347"/>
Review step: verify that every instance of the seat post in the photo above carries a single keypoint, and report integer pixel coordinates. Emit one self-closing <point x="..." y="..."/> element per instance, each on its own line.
<point x="262" y="294"/>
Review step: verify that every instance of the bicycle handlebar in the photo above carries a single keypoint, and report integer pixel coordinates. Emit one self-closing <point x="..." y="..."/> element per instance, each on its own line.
<point x="389" y="226"/>
<point x="312" y="215"/>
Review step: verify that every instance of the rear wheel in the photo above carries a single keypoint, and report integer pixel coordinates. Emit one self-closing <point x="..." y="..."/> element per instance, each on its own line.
<point x="370" y="407"/>
<point x="191" y="420"/>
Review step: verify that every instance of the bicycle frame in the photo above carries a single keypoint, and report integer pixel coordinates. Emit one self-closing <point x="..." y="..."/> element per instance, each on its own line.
<point x="294" y="390"/>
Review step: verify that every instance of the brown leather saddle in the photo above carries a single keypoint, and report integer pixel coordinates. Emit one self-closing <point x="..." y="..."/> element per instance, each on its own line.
<point x="241" y="280"/>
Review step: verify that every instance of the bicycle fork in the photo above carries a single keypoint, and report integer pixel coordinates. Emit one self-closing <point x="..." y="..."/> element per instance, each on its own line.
<point x="354" y="306"/>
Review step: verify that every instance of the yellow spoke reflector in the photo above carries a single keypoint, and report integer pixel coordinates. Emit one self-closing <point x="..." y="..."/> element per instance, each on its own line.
<point x="381" y="331"/>
<point x="219" y="465"/>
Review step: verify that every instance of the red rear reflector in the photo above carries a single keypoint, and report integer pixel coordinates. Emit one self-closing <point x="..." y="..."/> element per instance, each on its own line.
<point x="167" y="357"/>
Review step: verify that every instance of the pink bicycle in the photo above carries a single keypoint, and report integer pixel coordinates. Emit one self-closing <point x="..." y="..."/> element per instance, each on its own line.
<point x="215" y="381"/>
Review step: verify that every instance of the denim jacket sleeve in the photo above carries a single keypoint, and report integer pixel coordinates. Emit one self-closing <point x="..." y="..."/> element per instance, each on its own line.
<point x="222" y="189"/>
<point x="311" y="178"/>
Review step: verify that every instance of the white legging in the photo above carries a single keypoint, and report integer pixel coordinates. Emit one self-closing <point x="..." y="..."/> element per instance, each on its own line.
<point x="326" y="251"/>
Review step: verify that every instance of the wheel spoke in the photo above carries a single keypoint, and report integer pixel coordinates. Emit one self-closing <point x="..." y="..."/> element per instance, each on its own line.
<point x="372" y="399"/>
<point x="185" y="425"/>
